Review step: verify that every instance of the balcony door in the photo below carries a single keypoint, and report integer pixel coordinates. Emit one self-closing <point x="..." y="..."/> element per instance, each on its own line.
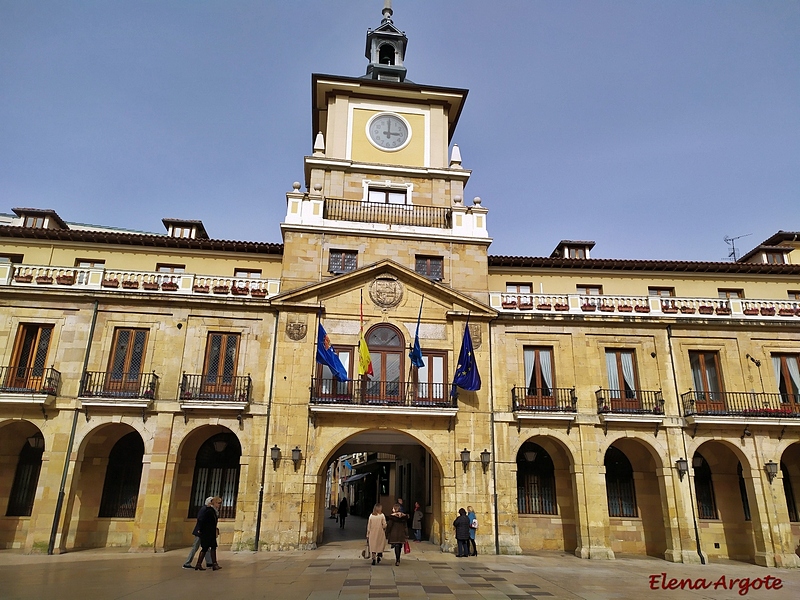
<point x="539" y="376"/>
<point x="787" y="374"/>
<point x="219" y="368"/>
<point x="30" y="357"/>
<point x="707" y="381"/>
<point x="125" y="363"/>
<point x="622" y="379"/>
<point x="386" y="349"/>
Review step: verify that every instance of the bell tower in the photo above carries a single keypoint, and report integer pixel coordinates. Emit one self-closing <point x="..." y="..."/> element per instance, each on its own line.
<point x="386" y="49"/>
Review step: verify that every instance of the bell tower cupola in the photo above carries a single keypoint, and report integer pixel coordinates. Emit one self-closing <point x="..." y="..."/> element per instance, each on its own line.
<point x="386" y="49"/>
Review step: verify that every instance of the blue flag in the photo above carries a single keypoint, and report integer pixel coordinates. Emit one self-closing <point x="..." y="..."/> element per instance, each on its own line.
<point x="347" y="464"/>
<point x="466" y="377"/>
<point x="416" y="352"/>
<point x="326" y="356"/>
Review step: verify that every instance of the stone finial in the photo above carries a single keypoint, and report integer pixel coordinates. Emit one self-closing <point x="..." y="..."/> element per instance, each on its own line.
<point x="457" y="199"/>
<point x="296" y="186"/>
<point x="319" y="145"/>
<point x="387" y="10"/>
<point x="318" y="187"/>
<point x="455" y="157"/>
<point x="477" y="201"/>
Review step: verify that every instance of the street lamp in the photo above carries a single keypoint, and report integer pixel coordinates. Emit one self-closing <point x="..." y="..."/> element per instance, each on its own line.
<point x="465" y="459"/>
<point x="275" y="454"/>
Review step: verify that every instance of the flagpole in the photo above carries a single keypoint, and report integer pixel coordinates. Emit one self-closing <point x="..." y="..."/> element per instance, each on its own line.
<point x="453" y="391"/>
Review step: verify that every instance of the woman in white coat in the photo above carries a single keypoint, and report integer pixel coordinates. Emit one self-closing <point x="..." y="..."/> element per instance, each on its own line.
<point x="376" y="538"/>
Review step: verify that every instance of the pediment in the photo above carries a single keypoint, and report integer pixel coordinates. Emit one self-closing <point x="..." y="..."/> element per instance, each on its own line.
<point x="387" y="287"/>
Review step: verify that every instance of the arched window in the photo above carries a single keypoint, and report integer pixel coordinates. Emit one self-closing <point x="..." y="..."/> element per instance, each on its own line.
<point x="216" y="473"/>
<point x="123" y="475"/>
<point x="536" y="482"/>
<point x="386" y="348"/>
<point x="386" y="54"/>
<point x="26" y="477"/>
<point x="704" y="488"/>
<point x="619" y="485"/>
<point x="791" y="504"/>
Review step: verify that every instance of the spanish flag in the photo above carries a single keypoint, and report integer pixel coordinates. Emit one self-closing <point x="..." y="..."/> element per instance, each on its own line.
<point x="364" y="359"/>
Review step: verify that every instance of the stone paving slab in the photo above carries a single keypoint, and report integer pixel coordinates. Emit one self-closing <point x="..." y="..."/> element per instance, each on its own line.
<point x="336" y="572"/>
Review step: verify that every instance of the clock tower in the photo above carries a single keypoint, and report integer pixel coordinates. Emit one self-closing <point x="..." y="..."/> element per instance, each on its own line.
<point x="382" y="175"/>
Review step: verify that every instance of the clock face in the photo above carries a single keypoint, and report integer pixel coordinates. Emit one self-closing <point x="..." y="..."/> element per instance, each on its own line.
<point x="388" y="131"/>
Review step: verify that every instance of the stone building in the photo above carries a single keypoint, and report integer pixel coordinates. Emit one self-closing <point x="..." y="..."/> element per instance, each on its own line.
<point x="625" y="406"/>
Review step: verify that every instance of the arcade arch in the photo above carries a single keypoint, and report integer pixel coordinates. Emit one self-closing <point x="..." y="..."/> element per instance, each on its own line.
<point x="21" y="449"/>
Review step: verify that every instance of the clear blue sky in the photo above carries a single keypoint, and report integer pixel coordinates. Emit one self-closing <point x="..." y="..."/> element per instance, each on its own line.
<point x="655" y="128"/>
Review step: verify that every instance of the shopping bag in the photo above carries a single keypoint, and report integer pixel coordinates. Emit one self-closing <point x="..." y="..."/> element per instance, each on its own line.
<point x="406" y="547"/>
<point x="365" y="552"/>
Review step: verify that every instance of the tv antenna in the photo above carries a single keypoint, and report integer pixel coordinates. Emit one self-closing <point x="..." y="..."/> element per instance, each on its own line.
<point x="731" y="241"/>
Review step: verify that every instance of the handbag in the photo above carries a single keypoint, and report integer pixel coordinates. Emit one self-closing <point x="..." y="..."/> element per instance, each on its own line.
<point x="406" y="547"/>
<point x="365" y="553"/>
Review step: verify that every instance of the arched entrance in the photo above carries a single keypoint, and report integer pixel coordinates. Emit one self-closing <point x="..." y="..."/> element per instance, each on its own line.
<point x="21" y="449"/>
<point x="545" y="497"/>
<point x="790" y="477"/>
<point x="106" y="489"/>
<point x="635" y="496"/>
<point x="723" y="498"/>
<point x="378" y="467"/>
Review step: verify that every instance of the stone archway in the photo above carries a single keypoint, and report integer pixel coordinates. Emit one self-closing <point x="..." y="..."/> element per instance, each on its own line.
<point x="789" y="467"/>
<point x="21" y="448"/>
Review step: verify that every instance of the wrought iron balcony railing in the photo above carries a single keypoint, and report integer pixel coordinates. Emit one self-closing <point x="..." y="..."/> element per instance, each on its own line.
<point x="742" y="404"/>
<point x="29" y="380"/>
<point x="635" y="402"/>
<point x="111" y="384"/>
<point x="382" y="393"/>
<point x="388" y="214"/>
<point x="223" y="388"/>
<point x="544" y="400"/>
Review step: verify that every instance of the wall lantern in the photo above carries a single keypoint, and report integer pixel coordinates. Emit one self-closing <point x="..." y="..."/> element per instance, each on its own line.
<point x="36" y="441"/>
<point x="465" y="459"/>
<point x="486" y="456"/>
<point x="530" y="455"/>
<point x="772" y="470"/>
<point x="297" y="456"/>
<point x="275" y="454"/>
<point x="683" y="467"/>
<point x="220" y="445"/>
<point x="697" y="462"/>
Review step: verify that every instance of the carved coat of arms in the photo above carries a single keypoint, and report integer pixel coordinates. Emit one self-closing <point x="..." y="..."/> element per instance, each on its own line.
<point x="386" y="292"/>
<point x="297" y="327"/>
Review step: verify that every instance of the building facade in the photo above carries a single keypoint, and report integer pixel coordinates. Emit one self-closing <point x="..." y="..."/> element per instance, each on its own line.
<point x="625" y="406"/>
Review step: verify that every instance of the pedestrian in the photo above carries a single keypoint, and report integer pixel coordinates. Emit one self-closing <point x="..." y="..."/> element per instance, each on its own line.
<point x="208" y="531"/>
<point x="196" y="545"/>
<point x="416" y="524"/>
<point x="344" y="507"/>
<point x="397" y="531"/>
<point x="400" y="504"/>
<point x="473" y="529"/>
<point x="462" y="533"/>
<point x="376" y="533"/>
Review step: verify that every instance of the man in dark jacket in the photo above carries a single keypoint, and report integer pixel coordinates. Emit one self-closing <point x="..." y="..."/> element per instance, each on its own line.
<point x="344" y="508"/>
<point x="397" y="531"/>
<point x="462" y="533"/>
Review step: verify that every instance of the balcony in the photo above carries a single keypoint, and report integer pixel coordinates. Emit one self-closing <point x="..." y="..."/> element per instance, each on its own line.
<point x="608" y="306"/>
<point x="117" y="390"/>
<point x="394" y="397"/>
<point x="544" y="404"/>
<point x="224" y="392"/>
<point x="739" y="407"/>
<point x="630" y="406"/>
<point x="137" y="282"/>
<point x="28" y="385"/>
<point x="338" y="209"/>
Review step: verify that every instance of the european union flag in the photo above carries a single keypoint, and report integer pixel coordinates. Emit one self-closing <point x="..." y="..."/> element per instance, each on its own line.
<point x="326" y="355"/>
<point x="466" y="377"/>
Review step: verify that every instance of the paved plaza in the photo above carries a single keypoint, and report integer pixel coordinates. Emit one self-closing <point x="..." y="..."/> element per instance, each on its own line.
<point x="335" y="571"/>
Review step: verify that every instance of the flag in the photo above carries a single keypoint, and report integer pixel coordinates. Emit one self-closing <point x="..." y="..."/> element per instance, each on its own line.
<point x="326" y="355"/>
<point x="466" y="377"/>
<point x="416" y="352"/>
<point x="364" y="359"/>
<point x="347" y="464"/>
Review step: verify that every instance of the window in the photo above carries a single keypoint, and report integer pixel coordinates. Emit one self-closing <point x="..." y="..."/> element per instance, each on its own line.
<point x="29" y="359"/>
<point x="430" y="378"/>
<point x="536" y="482"/>
<point x="125" y="363"/>
<point x="11" y="258"/>
<point x="730" y="293"/>
<point x="123" y="476"/>
<point x="342" y="261"/>
<point x="576" y="252"/>
<point x="219" y="368"/>
<point x="539" y="375"/>
<point x="743" y="492"/>
<point x="704" y="488"/>
<point x="387" y="196"/>
<point x="34" y="222"/>
<point x="181" y="232"/>
<point x="794" y="294"/>
<point x="216" y="473"/>
<point x="775" y="258"/>
<point x="328" y="386"/>
<point x="707" y="381"/>
<point x="788" y="492"/>
<point x="622" y="379"/>
<point x="664" y="292"/>
<point x="518" y="288"/>
<point x="620" y="489"/>
<point x="26" y="478"/>
<point x="590" y="290"/>
<point x="90" y="263"/>
<point x="787" y="375"/>
<point x="247" y="273"/>
<point x="165" y="268"/>
<point x="431" y="267"/>
<point x="386" y="348"/>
